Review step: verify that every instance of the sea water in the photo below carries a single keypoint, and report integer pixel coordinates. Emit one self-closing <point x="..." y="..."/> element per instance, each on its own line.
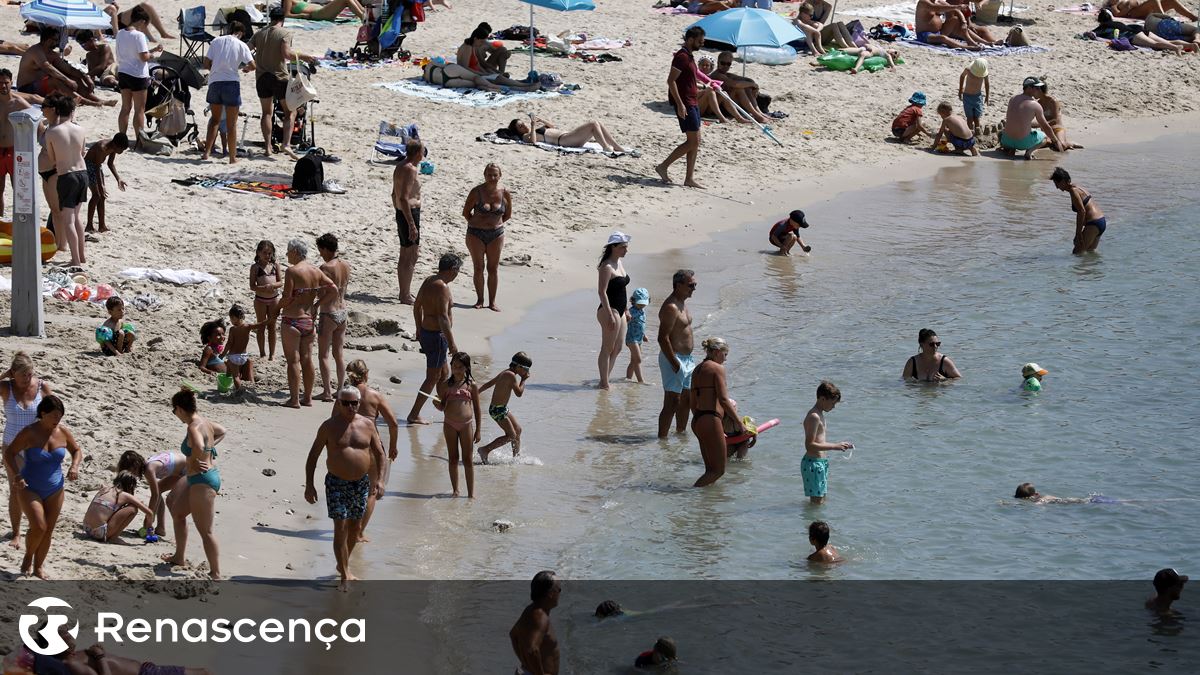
<point x="981" y="253"/>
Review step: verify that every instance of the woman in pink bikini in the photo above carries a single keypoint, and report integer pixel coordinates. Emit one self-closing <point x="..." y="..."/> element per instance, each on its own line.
<point x="460" y="402"/>
<point x="162" y="473"/>
<point x="265" y="283"/>
<point x="304" y="285"/>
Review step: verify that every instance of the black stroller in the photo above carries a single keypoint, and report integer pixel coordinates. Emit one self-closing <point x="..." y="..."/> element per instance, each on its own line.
<point x="368" y="47"/>
<point x="169" y="112"/>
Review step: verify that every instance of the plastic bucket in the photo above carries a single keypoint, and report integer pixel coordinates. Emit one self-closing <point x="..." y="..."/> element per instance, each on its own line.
<point x="224" y="383"/>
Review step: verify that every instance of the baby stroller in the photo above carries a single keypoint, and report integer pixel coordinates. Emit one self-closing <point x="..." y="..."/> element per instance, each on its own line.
<point x="169" y="105"/>
<point x="382" y="36"/>
<point x="304" y="128"/>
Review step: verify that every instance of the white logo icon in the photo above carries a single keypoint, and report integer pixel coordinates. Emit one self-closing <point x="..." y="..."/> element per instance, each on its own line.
<point x="49" y="634"/>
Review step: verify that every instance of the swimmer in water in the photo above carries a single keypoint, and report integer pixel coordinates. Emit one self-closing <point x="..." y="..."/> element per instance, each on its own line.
<point x="1168" y="585"/>
<point x="1032" y="373"/>
<point x="664" y="652"/>
<point x="1028" y="492"/>
<point x="818" y="536"/>
<point x="608" y="608"/>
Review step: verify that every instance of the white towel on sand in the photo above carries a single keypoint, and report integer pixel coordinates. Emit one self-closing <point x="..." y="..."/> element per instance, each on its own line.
<point x="473" y="98"/>
<point x="170" y="276"/>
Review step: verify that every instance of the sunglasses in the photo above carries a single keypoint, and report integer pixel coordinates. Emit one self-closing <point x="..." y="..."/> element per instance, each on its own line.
<point x="348" y="403"/>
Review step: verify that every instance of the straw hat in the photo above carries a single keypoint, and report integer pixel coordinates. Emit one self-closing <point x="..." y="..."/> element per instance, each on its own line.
<point x="979" y="68"/>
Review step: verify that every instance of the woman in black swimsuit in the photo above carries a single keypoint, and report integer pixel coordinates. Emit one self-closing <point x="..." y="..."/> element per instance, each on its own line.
<point x="929" y="365"/>
<point x="544" y="131"/>
<point x="710" y="405"/>
<point x="488" y="208"/>
<point x="614" y="282"/>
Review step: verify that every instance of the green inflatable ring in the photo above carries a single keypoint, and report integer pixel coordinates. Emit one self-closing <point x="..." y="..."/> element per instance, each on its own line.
<point x="838" y="60"/>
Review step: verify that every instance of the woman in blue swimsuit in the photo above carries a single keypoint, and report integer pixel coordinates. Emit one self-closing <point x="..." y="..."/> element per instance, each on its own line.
<point x="198" y="497"/>
<point x="1090" y="222"/>
<point x="46" y="443"/>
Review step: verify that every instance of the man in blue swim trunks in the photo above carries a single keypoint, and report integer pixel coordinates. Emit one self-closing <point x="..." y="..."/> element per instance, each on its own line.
<point x="353" y="445"/>
<point x="814" y="468"/>
<point x="1024" y="113"/>
<point x="433" y="319"/>
<point x="675" y="344"/>
<point x="941" y="23"/>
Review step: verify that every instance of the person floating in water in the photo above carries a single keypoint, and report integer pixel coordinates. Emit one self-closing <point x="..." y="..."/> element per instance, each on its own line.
<point x="1168" y="585"/>
<point x="1028" y="492"/>
<point x="1032" y="373"/>
<point x="818" y="536"/>
<point x="609" y="608"/>
<point x="663" y="653"/>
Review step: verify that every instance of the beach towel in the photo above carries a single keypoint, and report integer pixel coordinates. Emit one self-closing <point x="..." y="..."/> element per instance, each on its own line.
<point x="1086" y="8"/>
<point x="900" y="12"/>
<point x="1003" y="50"/>
<point x="589" y="147"/>
<point x="170" y="276"/>
<point x="670" y="10"/>
<point x="351" y="64"/>
<point x="472" y="98"/>
<point x="309" y="24"/>
<point x="276" y="186"/>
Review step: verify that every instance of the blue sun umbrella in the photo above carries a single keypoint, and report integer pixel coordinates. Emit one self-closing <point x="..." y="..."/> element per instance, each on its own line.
<point x="79" y="14"/>
<point x="746" y="27"/>
<point x="557" y="5"/>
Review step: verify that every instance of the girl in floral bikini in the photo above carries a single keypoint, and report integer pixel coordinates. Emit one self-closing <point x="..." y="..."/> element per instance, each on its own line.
<point x="162" y="473"/>
<point x="459" y="400"/>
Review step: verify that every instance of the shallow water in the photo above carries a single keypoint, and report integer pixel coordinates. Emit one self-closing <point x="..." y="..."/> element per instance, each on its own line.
<point x="980" y="253"/>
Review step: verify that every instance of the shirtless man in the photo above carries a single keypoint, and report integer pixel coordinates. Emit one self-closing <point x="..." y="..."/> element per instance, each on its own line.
<point x="675" y="344"/>
<point x="1140" y="9"/>
<point x="101" y="64"/>
<point x="332" y="318"/>
<point x="743" y="90"/>
<point x="95" y="661"/>
<point x="432" y="315"/>
<point x="939" y="23"/>
<point x="64" y="146"/>
<point x="9" y="103"/>
<point x="373" y="405"/>
<point x="353" y="444"/>
<point x="532" y="636"/>
<point x="1168" y="586"/>
<point x="1024" y="112"/>
<point x="43" y="71"/>
<point x="406" y="199"/>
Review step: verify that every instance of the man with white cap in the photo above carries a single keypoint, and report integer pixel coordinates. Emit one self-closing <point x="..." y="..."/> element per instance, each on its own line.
<point x="1033" y="374"/>
<point x="1024" y="113"/>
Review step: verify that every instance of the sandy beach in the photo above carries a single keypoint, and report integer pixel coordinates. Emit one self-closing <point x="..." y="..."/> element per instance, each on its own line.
<point x="565" y="205"/>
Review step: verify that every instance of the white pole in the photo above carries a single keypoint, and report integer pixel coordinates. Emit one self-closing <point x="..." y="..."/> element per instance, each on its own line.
<point x="26" y="239"/>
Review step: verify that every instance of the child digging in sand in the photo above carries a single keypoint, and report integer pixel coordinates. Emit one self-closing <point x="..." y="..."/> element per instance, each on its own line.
<point x="458" y="398"/>
<point x="238" y="363"/>
<point x="956" y="131"/>
<point x="116" y="335"/>
<point x="510" y="381"/>
<point x="975" y="91"/>
<point x="113" y="508"/>
<point x="635" y="333"/>
<point x="907" y="124"/>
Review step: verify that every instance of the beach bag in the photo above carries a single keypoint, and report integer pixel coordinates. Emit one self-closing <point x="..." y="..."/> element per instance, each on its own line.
<point x="309" y="173"/>
<point x="299" y="90"/>
<point x="174" y="121"/>
<point x="857" y="33"/>
<point x="988" y="11"/>
<point x="550" y="81"/>
<point x="888" y="33"/>
<point x="1121" y="45"/>
<point x="1016" y="38"/>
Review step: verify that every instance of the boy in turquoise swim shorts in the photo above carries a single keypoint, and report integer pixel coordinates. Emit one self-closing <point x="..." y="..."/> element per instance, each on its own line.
<point x="814" y="468"/>
<point x="510" y="381"/>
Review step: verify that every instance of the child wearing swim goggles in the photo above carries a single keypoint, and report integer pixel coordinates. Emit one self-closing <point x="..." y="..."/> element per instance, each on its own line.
<point x="510" y="381"/>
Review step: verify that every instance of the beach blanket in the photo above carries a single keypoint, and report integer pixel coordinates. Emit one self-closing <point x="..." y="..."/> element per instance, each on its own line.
<point x="351" y="64"/>
<point x="1003" y="50"/>
<point x="670" y="10"/>
<point x="472" y="98"/>
<point x="276" y="186"/>
<point x="900" y="12"/>
<point x="1086" y="8"/>
<point x="559" y="54"/>
<point x="309" y="24"/>
<point x="589" y="147"/>
<point x="170" y="276"/>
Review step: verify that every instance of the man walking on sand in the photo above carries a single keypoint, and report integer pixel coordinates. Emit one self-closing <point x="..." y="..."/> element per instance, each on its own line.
<point x="684" y="95"/>
<point x="406" y="199"/>
<point x="272" y="47"/>
<point x="432" y="316"/>
<point x="353" y="445"/>
<point x="532" y="636"/>
<point x="8" y="104"/>
<point x="675" y="344"/>
<point x="1024" y="112"/>
<point x="65" y="148"/>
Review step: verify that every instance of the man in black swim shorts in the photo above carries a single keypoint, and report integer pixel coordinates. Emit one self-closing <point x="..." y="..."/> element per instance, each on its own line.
<point x="406" y="199"/>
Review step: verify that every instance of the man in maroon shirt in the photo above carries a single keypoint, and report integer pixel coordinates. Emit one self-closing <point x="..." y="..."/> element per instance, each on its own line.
<point x="683" y="93"/>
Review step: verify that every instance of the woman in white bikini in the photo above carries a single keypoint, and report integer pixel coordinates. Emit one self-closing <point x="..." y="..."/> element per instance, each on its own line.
<point x="22" y="391"/>
<point x="266" y="284"/>
<point x="332" y="317"/>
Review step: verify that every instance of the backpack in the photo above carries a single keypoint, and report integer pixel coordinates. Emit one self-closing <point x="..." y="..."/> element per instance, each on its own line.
<point x="309" y="174"/>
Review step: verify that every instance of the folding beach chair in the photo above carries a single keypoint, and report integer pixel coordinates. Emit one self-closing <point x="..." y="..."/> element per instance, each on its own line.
<point x="389" y="147"/>
<point x="193" y="34"/>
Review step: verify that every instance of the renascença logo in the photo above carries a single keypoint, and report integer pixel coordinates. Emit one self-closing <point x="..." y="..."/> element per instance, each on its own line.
<point x="54" y="644"/>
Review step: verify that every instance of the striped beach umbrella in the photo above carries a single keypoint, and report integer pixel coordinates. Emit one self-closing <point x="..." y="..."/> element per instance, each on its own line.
<point x="66" y="14"/>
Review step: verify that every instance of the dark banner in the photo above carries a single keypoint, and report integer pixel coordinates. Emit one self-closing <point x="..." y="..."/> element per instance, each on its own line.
<point x="459" y="627"/>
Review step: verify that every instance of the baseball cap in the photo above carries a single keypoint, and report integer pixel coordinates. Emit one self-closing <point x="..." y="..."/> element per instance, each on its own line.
<point x="1168" y="578"/>
<point x="1032" y="82"/>
<point x="798" y="217"/>
<point x="1031" y="369"/>
<point x="618" y="238"/>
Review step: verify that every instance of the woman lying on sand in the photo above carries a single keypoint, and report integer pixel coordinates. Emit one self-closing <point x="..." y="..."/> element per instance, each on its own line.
<point x="299" y="9"/>
<point x="543" y="131"/>
<point x="1136" y="34"/>
<point x="1140" y="9"/>
<point x="455" y="76"/>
